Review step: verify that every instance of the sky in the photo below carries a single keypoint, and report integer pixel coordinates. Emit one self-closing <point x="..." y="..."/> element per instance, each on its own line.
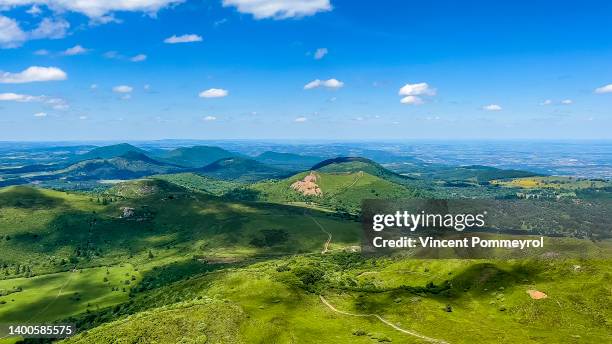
<point x="304" y="69"/>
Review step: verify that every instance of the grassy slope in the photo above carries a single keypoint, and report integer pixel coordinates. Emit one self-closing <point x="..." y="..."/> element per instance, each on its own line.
<point x="342" y="191"/>
<point x="265" y="305"/>
<point x="254" y="302"/>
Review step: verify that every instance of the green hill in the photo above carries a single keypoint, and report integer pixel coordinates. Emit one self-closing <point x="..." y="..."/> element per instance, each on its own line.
<point x="450" y="174"/>
<point x="240" y="169"/>
<point x="197" y="182"/>
<point x="288" y="161"/>
<point x="339" y="191"/>
<point x="130" y="165"/>
<point x="197" y="156"/>
<point x="107" y="152"/>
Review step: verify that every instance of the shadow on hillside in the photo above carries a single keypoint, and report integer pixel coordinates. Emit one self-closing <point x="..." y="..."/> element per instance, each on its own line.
<point x="28" y="198"/>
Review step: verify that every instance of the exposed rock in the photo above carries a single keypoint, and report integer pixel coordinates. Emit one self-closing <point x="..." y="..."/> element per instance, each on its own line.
<point x="536" y="295"/>
<point x="308" y="186"/>
<point x="127" y="212"/>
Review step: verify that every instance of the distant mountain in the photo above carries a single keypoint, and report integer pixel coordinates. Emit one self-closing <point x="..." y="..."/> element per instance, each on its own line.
<point x="107" y="152"/>
<point x="197" y="156"/>
<point x="288" y="161"/>
<point x="127" y="166"/>
<point x="473" y="173"/>
<point x="240" y="169"/>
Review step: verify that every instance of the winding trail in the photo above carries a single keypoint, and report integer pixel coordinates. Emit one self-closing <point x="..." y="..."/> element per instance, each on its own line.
<point x="383" y="320"/>
<point x="329" y="235"/>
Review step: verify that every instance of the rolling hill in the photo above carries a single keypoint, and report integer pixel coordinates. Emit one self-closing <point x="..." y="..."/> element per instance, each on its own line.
<point x="240" y="169"/>
<point x="339" y="184"/>
<point x="288" y="161"/>
<point x="107" y="152"/>
<point x="196" y="156"/>
<point x="130" y="165"/>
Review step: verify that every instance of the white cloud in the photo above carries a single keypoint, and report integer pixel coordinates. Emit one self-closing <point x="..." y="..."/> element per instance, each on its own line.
<point x="420" y="89"/>
<point x="279" y="9"/>
<point x="138" y="58"/>
<point x="50" y="28"/>
<point x="320" y="53"/>
<point x="412" y="93"/>
<point x="41" y="52"/>
<point x="411" y="100"/>
<point x="209" y="118"/>
<point x="122" y="89"/>
<point x="11" y="35"/>
<point x="33" y="74"/>
<point x="301" y="119"/>
<point x="76" y="50"/>
<point x="16" y="97"/>
<point x="96" y="9"/>
<point x="55" y="103"/>
<point x="546" y="102"/>
<point x="330" y="83"/>
<point x="492" y="107"/>
<point x="82" y="117"/>
<point x="183" y="39"/>
<point x="214" y="93"/>
<point x="599" y="90"/>
<point x="567" y="102"/>
<point x="93" y="86"/>
<point x="34" y="10"/>
<point x="40" y="114"/>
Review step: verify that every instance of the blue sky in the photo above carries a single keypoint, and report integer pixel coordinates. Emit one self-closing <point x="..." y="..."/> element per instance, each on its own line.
<point x="304" y="69"/>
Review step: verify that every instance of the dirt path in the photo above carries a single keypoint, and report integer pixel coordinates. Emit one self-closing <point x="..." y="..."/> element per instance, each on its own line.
<point x="385" y="321"/>
<point x="329" y="235"/>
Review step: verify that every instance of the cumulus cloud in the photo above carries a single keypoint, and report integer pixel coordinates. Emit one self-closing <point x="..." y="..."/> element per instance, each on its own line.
<point x="301" y="119"/>
<point x="214" y="93"/>
<point x="412" y="93"/>
<point x="320" y="53"/>
<point x="492" y="107"/>
<point x="122" y="89"/>
<point x="546" y="102"/>
<point x="16" y="97"/>
<point x="411" y="100"/>
<point x="420" y="89"/>
<point x="599" y="90"/>
<point x="12" y="36"/>
<point x="138" y="58"/>
<point x="34" y="10"/>
<point x="33" y="74"/>
<point x="330" y="83"/>
<point x="189" y="38"/>
<point x="40" y="114"/>
<point x="279" y="9"/>
<point x="76" y="50"/>
<point x="567" y="102"/>
<point x="50" y="28"/>
<point x="96" y="9"/>
<point x="55" y="103"/>
<point x="209" y="118"/>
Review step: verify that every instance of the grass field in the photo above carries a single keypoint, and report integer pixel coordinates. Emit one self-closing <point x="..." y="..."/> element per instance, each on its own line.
<point x="187" y="266"/>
